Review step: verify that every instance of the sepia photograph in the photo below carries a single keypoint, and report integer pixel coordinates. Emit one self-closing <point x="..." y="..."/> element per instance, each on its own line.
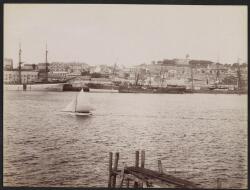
<point x="125" y="96"/>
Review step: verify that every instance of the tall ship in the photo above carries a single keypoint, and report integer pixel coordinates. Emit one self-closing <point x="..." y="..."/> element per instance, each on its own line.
<point x="42" y="84"/>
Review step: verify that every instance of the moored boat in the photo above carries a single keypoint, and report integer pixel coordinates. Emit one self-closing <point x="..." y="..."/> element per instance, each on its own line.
<point x="171" y="89"/>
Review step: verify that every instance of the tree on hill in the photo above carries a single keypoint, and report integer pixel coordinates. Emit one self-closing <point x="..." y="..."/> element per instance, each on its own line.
<point x="168" y="62"/>
<point x="202" y="63"/>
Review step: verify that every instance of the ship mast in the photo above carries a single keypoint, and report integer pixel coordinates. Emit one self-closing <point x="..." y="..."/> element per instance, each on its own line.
<point x="192" y="87"/>
<point x="19" y="64"/>
<point x="149" y="77"/>
<point x="136" y="77"/>
<point x="217" y="77"/>
<point x="192" y="74"/>
<point x="46" y="64"/>
<point x="114" y="70"/>
<point x="162" y="76"/>
<point x="76" y="102"/>
<point x="239" y="75"/>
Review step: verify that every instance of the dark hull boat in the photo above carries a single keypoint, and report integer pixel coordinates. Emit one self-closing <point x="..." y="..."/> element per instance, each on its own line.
<point x="162" y="90"/>
<point x="70" y="87"/>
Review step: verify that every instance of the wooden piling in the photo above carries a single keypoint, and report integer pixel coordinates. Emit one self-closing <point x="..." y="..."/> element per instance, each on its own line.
<point x="137" y="159"/>
<point x="142" y="159"/>
<point x="140" y="184"/>
<point x="160" y="167"/>
<point x="127" y="184"/>
<point x="136" y="185"/>
<point x="110" y="168"/>
<point x="218" y="183"/>
<point x="115" y="168"/>
<point x="122" y="174"/>
<point x="24" y="87"/>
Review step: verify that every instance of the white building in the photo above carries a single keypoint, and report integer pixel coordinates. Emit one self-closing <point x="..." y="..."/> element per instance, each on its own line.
<point x="69" y="67"/>
<point x="8" y="64"/>
<point x="181" y="61"/>
<point x="58" y="74"/>
<point x="29" y="67"/>
<point x="95" y="69"/>
<point x="42" y="66"/>
<point x="12" y="77"/>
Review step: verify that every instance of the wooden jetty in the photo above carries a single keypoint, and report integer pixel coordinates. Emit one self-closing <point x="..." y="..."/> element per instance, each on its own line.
<point x="140" y="177"/>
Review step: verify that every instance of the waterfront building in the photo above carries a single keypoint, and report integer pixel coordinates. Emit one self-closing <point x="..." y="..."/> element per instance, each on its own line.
<point x="8" y="64"/>
<point x="27" y="76"/>
<point x="42" y="66"/>
<point x="76" y="75"/>
<point x="60" y="75"/>
<point x="29" y="67"/>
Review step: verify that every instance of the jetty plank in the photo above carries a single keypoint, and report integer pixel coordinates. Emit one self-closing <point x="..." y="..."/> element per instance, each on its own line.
<point x="150" y="174"/>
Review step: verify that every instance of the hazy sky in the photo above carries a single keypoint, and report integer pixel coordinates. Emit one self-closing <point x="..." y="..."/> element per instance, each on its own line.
<point x="126" y="34"/>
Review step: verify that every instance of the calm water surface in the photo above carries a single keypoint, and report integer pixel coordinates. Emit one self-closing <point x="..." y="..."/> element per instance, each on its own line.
<point x="201" y="136"/>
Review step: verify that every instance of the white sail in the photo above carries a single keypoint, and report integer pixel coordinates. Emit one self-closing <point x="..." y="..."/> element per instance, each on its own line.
<point x="71" y="106"/>
<point x="82" y="103"/>
<point x="79" y="104"/>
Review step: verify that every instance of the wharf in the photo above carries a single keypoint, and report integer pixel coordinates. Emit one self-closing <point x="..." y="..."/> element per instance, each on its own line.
<point x="140" y="177"/>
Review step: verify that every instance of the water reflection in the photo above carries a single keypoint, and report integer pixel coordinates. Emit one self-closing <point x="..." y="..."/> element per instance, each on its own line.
<point x="83" y="119"/>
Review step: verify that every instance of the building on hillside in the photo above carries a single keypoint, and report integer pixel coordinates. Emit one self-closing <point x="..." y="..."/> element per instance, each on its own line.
<point x="60" y="67"/>
<point x="182" y="62"/>
<point x="201" y="63"/>
<point x="57" y="67"/>
<point x="95" y="69"/>
<point x="76" y="67"/>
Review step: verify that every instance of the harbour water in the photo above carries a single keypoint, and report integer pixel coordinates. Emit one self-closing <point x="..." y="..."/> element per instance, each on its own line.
<point x="199" y="137"/>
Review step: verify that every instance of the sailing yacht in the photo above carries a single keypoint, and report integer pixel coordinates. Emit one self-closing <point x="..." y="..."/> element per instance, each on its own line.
<point x="79" y="105"/>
